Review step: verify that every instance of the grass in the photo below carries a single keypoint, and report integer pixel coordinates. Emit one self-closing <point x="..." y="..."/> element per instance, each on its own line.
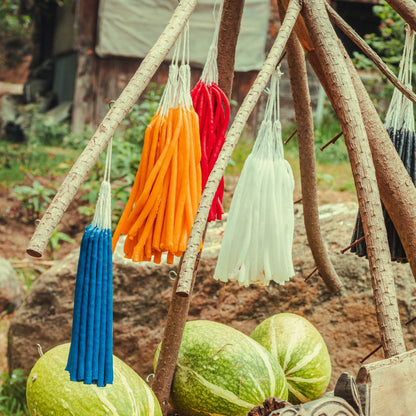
<point x="18" y="160"/>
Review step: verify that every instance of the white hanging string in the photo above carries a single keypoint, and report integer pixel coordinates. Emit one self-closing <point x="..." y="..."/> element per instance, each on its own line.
<point x="400" y="112"/>
<point x="269" y="137"/>
<point x="102" y="215"/>
<point x="257" y="242"/>
<point x="210" y="71"/>
<point x="184" y="78"/>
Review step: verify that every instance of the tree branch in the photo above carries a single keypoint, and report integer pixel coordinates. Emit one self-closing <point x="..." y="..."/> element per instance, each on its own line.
<point x="185" y="276"/>
<point x="348" y="111"/>
<point x="108" y="126"/>
<point x="356" y="38"/>
<point x="304" y="124"/>
<point x="232" y="11"/>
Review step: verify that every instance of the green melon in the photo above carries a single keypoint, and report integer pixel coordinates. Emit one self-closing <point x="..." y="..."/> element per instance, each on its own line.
<point x="221" y="371"/>
<point x="301" y="352"/>
<point x="50" y="392"/>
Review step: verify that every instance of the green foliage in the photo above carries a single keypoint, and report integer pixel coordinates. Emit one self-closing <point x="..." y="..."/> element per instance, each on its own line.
<point x="35" y="198"/>
<point x="15" y="34"/>
<point x="13" y="394"/>
<point x="389" y="44"/>
<point x="56" y="238"/>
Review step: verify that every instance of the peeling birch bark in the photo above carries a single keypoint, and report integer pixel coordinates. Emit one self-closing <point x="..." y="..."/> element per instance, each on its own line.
<point x="185" y="276"/>
<point x="232" y="11"/>
<point x="304" y="124"/>
<point x="348" y="111"/>
<point x="378" y="62"/>
<point x="108" y="126"/>
<point x="406" y="9"/>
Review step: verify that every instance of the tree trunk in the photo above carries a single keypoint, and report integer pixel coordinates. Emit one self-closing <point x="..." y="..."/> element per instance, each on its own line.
<point x="232" y="12"/>
<point x="304" y="124"/>
<point x="347" y="108"/>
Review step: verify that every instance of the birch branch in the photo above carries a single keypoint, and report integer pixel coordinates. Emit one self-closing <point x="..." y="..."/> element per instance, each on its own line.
<point x="304" y="124"/>
<point x="378" y="62"/>
<point x="185" y="276"/>
<point x="108" y="126"/>
<point x="406" y="9"/>
<point x="348" y="111"/>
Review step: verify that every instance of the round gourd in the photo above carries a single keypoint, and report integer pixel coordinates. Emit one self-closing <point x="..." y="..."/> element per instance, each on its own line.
<point x="222" y="371"/>
<point x="50" y="392"/>
<point x="301" y="352"/>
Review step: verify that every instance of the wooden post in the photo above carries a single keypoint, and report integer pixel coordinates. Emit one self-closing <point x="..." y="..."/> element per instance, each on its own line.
<point x="347" y="107"/>
<point x="84" y="94"/>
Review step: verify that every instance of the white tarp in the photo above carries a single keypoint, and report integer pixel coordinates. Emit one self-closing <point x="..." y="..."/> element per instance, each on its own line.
<point x="129" y="28"/>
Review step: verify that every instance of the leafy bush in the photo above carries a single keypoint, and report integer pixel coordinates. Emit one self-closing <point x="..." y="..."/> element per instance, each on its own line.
<point x="13" y="394"/>
<point x="388" y="43"/>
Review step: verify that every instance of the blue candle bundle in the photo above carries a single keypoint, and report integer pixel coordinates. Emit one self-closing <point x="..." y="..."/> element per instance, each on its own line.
<point x="91" y="354"/>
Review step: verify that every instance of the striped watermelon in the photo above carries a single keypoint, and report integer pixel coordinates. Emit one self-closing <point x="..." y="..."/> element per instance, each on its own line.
<point x="50" y="392"/>
<point x="221" y="371"/>
<point x="301" y="352"/>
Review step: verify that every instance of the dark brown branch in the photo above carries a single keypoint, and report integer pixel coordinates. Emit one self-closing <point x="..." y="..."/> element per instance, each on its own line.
<point x="332" y="141"/>
<point x="232" y="12"/>
<point x="291" y="135"/>
<point x="352" y="245"/>
<point x="356" y="38"/>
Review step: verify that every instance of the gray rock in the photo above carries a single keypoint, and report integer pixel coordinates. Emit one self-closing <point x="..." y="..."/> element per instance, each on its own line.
<point x="11" y="290"/>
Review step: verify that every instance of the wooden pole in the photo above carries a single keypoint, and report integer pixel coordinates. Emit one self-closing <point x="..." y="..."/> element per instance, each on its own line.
<point x="185" y="276"/>
<point x="304" y="124"/>
<point x="85" y="79"/>
<point x="232" y="11"/>
<point x="406" y="9"/>
<point x="108" y="126"/>
<point x="347" y="108"/>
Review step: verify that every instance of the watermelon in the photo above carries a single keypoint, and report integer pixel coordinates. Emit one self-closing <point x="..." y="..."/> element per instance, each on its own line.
<point x="222" y="371"/>
<point x="301" y="352"/>
<point x="50" y="392"/>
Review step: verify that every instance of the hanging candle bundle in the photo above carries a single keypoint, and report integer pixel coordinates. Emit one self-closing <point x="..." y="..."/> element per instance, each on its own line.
<point x="213" y="109"/>
<point x="91" y="353"/>
<point x="400" y="125"/>
<point x="257" y="243"/>
<point x="161" y="209"/>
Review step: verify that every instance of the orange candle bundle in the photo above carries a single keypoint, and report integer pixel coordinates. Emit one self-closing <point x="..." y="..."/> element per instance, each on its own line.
<point x="165" y="196"/>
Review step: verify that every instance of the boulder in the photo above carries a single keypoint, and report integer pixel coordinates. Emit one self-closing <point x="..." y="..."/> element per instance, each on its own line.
<point x="346" y="320"/>
<point x="11" y="290"/>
